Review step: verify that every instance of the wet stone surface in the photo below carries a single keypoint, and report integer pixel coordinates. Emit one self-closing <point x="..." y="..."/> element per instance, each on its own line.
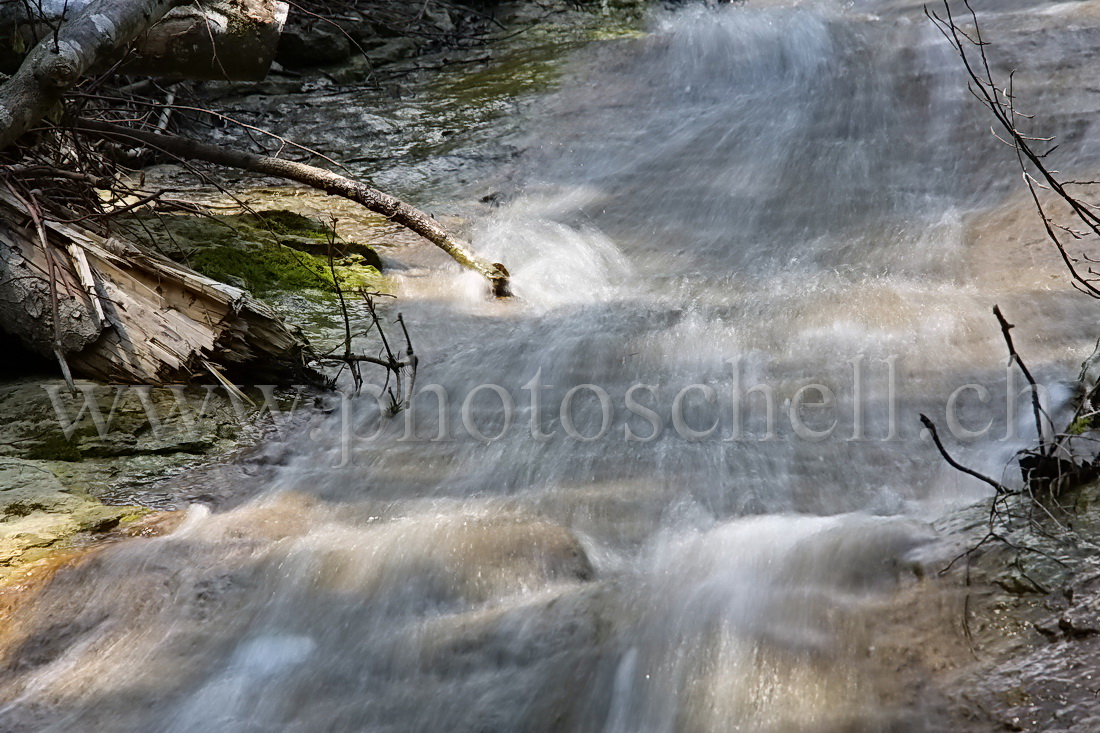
<point x="87" y="464"/>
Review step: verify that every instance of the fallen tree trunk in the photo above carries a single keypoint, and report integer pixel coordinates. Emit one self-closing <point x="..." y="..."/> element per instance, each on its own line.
<point x="329" y="182"/>
<point x="232" y="40"/>
<point x="224" y="40"/>
<point x="119" y="313"/>
<point x="59" y="61"/>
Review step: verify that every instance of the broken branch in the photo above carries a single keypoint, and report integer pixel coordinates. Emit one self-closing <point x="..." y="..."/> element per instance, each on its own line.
<point x="931" y="426"/>
<point x="1014" y="357"/>
<point x="331" y="183"/>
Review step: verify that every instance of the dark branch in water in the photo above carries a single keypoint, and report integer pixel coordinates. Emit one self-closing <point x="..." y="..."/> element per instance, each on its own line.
<point x="330" y="246"/>
<point x="402" y="370"/>
<point x="931" y="426"/>
<point x="1014" y="357"/>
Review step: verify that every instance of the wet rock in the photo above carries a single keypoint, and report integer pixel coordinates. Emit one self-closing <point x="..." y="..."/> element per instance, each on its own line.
<point x="439" y="18"/>
<point x="1018" y="583"/>
<point x="1049" y="627"/>
<point x="37" y="512"/>
<point x="1080" y="622"/>
<point x="1033" y="611"/>
<point x="452" y="558"/>
<point x="100" y="518"/>
<point x="27" y="488"/>
<point x="1078" y="615"/>
<point x="68" y="472"/>
<point x="356" y="70"/>
<point x="393" y="51"/>
<point x="44" y="422"/>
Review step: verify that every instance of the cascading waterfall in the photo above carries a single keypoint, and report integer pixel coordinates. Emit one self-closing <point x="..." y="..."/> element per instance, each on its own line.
<point x="770" y="197"/>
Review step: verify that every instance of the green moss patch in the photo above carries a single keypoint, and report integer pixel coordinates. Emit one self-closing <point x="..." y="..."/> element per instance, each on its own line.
<point x="282" y="268"/>
<point x="263" y="252"/>
<point x="54" y="446"/>
<point x="521" y="71"/>
<point x="270" y="268"/>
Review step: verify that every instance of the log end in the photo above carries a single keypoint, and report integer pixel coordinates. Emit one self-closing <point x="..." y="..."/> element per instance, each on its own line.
<point x="501" y="281"/>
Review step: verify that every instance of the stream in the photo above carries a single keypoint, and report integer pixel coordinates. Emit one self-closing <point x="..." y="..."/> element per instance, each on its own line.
<point x="751" y="244"/>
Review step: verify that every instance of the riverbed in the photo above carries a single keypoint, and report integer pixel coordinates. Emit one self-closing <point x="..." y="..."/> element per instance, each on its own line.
<point x="678" y="483"/>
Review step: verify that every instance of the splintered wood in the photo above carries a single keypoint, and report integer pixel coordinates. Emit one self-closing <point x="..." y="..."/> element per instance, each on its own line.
<point x="125" y="314"/>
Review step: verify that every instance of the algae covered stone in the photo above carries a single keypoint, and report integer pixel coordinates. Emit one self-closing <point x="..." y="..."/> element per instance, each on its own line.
<point x="264" y="251"/>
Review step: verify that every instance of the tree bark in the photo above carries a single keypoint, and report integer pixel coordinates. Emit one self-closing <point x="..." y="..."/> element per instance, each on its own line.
<point x="28" y="293"/>
<point x="225" y="40"/>
<point x="231" y="40"/>
<point x="332" y="183"/>
<point x="58" y="62"/>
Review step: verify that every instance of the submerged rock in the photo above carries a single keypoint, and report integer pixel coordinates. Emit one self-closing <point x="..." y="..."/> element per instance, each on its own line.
<point x="78" y="465"/>
<point x="452" y="558"/>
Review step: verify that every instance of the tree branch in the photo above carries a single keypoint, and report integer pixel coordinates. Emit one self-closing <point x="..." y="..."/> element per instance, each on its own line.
<point x="1014" y="356"/>
<point x="334" y="184"/>
<point x="931" y="426"/>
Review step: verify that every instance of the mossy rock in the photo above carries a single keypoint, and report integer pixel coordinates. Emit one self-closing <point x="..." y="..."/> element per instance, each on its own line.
<point x="263" y="252"/>
<point x="101" y="518"/>
<point x="281" y="221"/>
<point x="261" y="270"/>
<point x="518" y="72"/>
<point x="54" y="446"/>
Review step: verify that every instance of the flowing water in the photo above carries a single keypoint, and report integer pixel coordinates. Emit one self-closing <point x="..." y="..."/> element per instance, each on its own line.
<point x="769" y="195"/>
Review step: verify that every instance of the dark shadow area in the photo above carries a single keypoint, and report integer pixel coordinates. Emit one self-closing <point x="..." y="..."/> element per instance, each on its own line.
<point x="19" y="362"/>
